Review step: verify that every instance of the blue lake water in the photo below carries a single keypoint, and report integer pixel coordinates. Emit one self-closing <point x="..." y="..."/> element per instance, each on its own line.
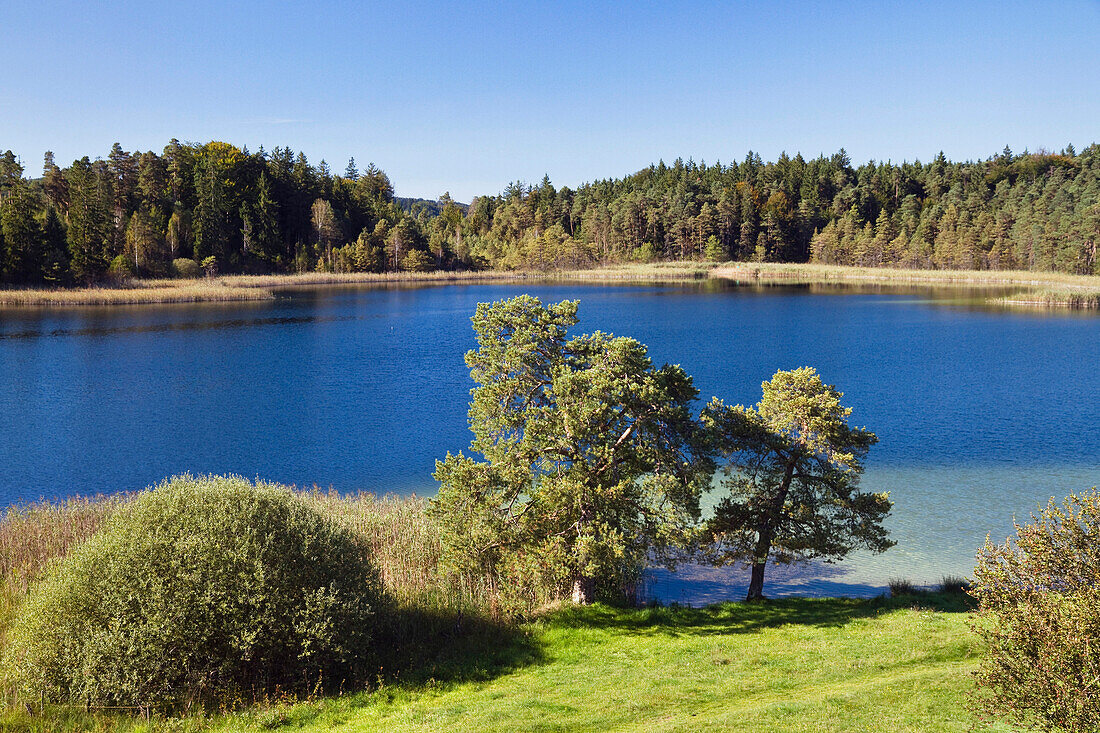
<point x="981" y="413"/>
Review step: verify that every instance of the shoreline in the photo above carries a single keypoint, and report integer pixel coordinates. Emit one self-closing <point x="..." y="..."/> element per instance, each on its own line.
<point x="1038" y="289"/>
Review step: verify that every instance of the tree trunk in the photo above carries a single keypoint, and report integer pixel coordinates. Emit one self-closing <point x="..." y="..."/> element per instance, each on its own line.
<point x="583" y="590"/>
<point x="764" y="535"/>
<point x="759" y="562"/>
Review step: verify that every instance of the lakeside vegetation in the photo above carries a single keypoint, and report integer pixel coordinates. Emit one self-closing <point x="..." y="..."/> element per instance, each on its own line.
<point x="1039" y="289"/>
<point x="808" y="664"/>
<point x="221" y="209"/>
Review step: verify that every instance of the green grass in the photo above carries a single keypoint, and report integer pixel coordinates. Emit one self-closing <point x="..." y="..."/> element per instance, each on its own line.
<point x="897" y="664"/>
<point x="901" y="664"/>
<point x="794" y="665"/>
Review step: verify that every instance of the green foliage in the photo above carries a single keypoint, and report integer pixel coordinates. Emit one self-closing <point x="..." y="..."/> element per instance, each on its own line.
<point x="416" y="260"/>
<point x="121" y="268"/>
<point x="202" y="587"/>
<point x="794" y="469"/>
<point x="274" y="211"/>
<point x="591" y="459"/>
<point x="185" y="268"/>
<point x="1039" y="615"/>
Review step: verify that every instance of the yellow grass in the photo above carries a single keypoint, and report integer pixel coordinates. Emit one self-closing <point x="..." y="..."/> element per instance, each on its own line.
<point x="813" y="273"/>
<point x="1045" y="289"/>
<point x="157" y="291"/>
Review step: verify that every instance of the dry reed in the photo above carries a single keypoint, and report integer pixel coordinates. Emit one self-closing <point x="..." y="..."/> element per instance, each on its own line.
<point x="1064" y="290"/>
<point x="1055" y="298"/>
<point x="817" y="273"/>
<point x="162" y="291"/>
<point x="404" y="543"/>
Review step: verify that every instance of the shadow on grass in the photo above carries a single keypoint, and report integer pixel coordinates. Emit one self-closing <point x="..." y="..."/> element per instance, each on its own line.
<point x="745" y="618"/>
<point x="417" y="649"/>
<point x="435" y="646"/>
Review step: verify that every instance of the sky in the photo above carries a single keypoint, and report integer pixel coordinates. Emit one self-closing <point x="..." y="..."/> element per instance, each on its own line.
<point x="467" y="97"/>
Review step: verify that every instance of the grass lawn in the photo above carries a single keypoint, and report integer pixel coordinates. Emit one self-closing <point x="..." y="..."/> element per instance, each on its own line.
<point x="789" y="665"/>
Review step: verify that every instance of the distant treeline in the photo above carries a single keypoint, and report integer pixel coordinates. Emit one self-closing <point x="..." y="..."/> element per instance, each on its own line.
<point x="215" y="207"/>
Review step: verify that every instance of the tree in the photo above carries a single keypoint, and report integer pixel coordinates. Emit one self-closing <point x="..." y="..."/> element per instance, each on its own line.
<point x="592" y="456"/>
<point x="89" y="226"/>
<point x="264" y="239"/>
<point x="22" y="236"/>
<point x="53" y="182"/>
<point x="416" y="260"/>
<point x="55" y="269"/>
<point x="216" y="224"/>
<point x="794" y="469"/>
<point x="325" y="230"/>
<point x="1039" y="616"/>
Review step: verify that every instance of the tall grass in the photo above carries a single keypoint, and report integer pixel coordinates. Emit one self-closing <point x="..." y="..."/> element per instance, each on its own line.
<point x="1056" y="298"/>
<point x="1061" y="290"/>
<point x="407" y="549"/>
<point x="159" y="291"/>
<point x="404" y="543"/>
<point x="817" y="273"/>
<point x="33" y="535"/>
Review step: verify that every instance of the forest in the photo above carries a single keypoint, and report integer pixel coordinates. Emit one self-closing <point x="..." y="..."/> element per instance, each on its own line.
<point x="213" y="208"/>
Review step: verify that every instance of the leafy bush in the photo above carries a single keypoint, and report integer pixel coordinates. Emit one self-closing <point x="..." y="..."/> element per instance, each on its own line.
<point x="184" y="267"/>
<point x="198" y="588"/>
<point x="121" y="268"/>
<point x="416" y="260"/>
<point x="954" y="584"/>
<point x="901" y="587"/>
<point x="1039" y="613"/>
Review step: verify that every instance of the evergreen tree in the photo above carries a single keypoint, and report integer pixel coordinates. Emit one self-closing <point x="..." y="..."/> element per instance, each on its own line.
<point x="23" y="241"/>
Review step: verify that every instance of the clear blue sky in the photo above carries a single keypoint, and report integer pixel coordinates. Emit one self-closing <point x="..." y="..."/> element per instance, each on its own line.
<point x="465" y="97"/>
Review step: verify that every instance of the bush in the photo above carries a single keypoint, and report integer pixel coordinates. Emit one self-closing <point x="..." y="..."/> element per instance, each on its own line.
<point x="1039" y="614"/>
<point x="954" y="584"/>
<point x="416" y="260"/>
<point x="901" y="587"/>
<point x="121" y="268"/>
<point x="184" y="267"/>
<point x="200" y="588"/>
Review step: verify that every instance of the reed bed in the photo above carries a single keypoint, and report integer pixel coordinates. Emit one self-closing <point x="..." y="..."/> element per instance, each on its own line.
<point x="33" y="535"/>
<point x="654" y="271"/>
<point x="163" y="291"/>
<point x="818" y="273"/>
<point x="1051" y="289"/>
<point x="406" y="546"/>
<point x="1055" y="298"/>
<point x="310" y="279"/>
<point x="403" y="541"/>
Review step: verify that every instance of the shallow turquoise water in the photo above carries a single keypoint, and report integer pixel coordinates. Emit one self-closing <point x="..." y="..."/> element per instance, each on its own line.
<point x="981" y="413"/>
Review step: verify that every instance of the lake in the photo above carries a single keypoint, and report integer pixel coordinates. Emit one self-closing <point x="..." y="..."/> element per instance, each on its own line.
<point x="982" y="413"/>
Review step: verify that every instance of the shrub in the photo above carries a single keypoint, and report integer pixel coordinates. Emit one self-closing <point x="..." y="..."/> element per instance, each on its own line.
<point x="199" y="588"/>
<point x="121" y="268"/>
<point x="416" y="260"/>
<point x="184" y="267"/>
<point x="1039" y="614"/>
<point x="954" y="584"/>
<point x="901" y="587"/>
